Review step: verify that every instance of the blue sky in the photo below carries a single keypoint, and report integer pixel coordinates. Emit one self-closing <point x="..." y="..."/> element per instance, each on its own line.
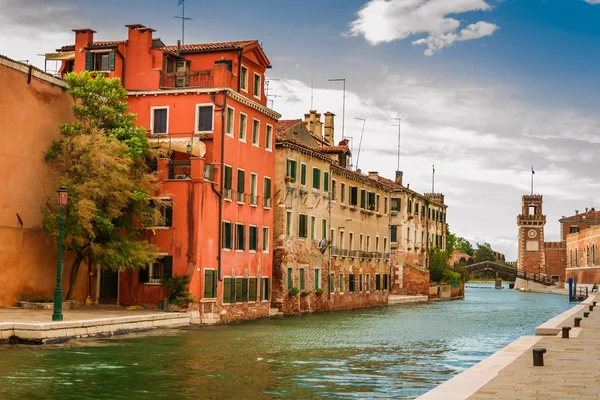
<point x="491" y="88"/>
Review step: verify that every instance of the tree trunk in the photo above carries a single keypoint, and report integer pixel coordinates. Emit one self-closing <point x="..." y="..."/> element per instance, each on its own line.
<point x="73" y="274"/>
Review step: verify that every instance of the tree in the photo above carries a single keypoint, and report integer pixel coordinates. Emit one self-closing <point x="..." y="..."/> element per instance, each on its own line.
<point x="484" y="253"/>
<point x="450" y="242"/>
<point x="100" y="158"/>
<point x="438" y="263"/>
<point x="464" y="246"/>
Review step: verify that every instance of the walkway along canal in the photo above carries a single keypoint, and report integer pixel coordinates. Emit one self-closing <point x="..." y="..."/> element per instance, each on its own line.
<point x="388" y="352"/>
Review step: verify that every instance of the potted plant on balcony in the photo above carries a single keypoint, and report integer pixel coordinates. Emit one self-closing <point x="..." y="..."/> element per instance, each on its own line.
<point x="294" y="292"/>
<point x="290" y="179"/>
<point x="305" y="293"/>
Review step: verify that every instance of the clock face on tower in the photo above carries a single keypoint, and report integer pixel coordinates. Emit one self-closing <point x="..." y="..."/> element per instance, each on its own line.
<point x="532" y="233"/>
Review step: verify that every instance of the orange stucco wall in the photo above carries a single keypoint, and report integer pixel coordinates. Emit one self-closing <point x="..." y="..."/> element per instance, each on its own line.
<point x="27" y="256"/>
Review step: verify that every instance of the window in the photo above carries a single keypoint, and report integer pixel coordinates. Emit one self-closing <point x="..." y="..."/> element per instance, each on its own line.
<point x="241" y="177"/>
<point x="165" y="211"/>
<point x="368" y="245"/>
<point x="244" y="79"/>
<point x="385" y="204"/>
<point x="331" y="283"/>
<point x="409" y="206"/>
<point x="377" y="203"/>
<point x="371" y="201"/>
<point x="265" y="289"/>
<point x="313" y="222"/>
<point x="593" y="253"/>
<point x="290" y="279"/>
<point x="227" y="234"/>
<point x="360" y="283"/>
<point x="104" y="61"/>
<point x="351" y="282"/>
<point x="288" y="223"/>
<point x="267" y="193"/>
<point x="360" y="242"/>
<point x="377" y="244"/>
<point x="341" y="283"/>
<point x="228" y="290"/>
<point x="269" y="138"/>
<point x="396" y="203"/>
<point x="204" y="118"/>
<point x="210" y="284"/>
<point x="351" y="238"/>
<point x="257" y="86"/>
<point x="252" y="286"/>
<point x="416" y="208"/>
<point x="333" y="190"/>
<point x="265" y="239"/>
<point x="394" y="233"/>
<point x="160" y="120"/>
<point x="317" y="278"/>
<point x="253" y="189"/>
<point x="332" y="237"/>
<point x="384" y="244"/>
<point x="303" y="174"/>
<point x="161" y="268"/>
<point x="422" y="211"/>
<point x="240" y="237"/>
<point x="227" y="184"/>
<point x="255" y="131"/>
<point x="407" y="235"/>
<point x="316" y="178"/>
<point x="363" y="198"/>
<point x="302" y="281"/>
<point x="253" y="237"/>
<point x="353" y="196"/>
<point x="323" y="228"/>
<point x="302" y="226"/>
<point x="342" y="192"/>
<point x="326" y="181"/>
<point x="341" y="243"/>
<point x="367" y="282"/>
<point x="377" y="282"/>
<point x="241" y="290"/>
<point x="574" y="229"/>
<point x="229" y="124"/>
<point x="243" y="127"/>
<point x="290" y="170"/>
<point x="385" y="281"/>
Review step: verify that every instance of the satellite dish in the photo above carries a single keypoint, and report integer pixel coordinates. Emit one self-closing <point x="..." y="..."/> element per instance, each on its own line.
<point x="322" y="245"/>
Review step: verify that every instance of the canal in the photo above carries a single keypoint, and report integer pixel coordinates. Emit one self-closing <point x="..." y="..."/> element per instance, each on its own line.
<point x="390" y="352"/>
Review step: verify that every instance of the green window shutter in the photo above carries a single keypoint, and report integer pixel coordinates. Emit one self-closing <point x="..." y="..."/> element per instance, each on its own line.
<point x="377" y="282"/>
<point x="169" y="215"/>
<point x="363" y="198"/>
<point x="290" y="279"/>
<point x="227" y="178"/>
<point x="303" y="174"/>
<point x="326" y="181"/>
<point x="144" y="275"/>
<point x="238" y="290"/>
<point x="252" y="290"/>
<point x="316" y="178"/>
<point x="208" y="284"/>
<point x="241" y="183"/>
<point x="245" y="289"/>
<point x="331" y="283"/>
<point x="168" y="263"/>
<point x="227" y="290"/>
<point x="266" y="289"/>
<point x="89" y="61"/>
<point x="111" y="60"/>
<point x="302" y="278"/>
<point x="294" y="170"/>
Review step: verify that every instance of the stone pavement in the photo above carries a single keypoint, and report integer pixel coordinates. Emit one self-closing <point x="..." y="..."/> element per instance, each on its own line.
<point x="17" y="314"/>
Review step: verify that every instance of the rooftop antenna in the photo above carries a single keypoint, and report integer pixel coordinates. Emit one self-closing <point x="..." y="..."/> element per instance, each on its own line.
<point x="532" y="174"/>
<point x="399" y="127"/>
<point x="433" y="179"/>
<point x="360" y="141"/>
<point x="343" y="104"/>
<point x="183" y="19"/>
<point x="273" y="101"/>
<point x="267" y="81"/>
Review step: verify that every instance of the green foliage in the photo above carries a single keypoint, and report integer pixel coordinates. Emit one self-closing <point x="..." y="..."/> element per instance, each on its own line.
<point x="100" y="158"/>
<point x="450" y="242"/>
<point x="306" y="293"/>
<point x="484" y="253"/>
<point x="449" y="276"/>
<point x="319" y="291"/>
<point x="438" y="262"/>
<point x="464" y="246"/>
<point x="178" y="293"/>
<point x="294" y="291"/>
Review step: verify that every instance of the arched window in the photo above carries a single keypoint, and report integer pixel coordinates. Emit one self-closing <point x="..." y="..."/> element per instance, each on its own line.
<point x="576" y="257"/>
<point x="587" y="255"/>
<point x="593" y="253"/>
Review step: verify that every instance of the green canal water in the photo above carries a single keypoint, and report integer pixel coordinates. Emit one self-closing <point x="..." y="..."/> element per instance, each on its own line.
<point x="390" y="352"/>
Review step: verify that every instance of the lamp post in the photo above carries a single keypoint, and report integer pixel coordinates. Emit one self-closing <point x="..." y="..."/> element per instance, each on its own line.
<point x="63" y="196"/>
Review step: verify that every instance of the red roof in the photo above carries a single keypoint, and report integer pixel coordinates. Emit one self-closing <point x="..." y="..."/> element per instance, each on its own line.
<point x="107" y="43"/>
<point x="190" y="48"/>
<point x="332" y="149"/>
<point x="285" y="124"/>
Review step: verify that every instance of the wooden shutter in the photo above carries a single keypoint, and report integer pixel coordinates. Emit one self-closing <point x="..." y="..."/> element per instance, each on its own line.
<point x="226" y="290"/>
<point x="316" y="178"/>
<point x="267" y="288"/>
<point x="89" y="61"/>
<point x="252" y="289"/>
<point x="290" y="281"/>
<point x="293" y="169"/>
<point x="238" y="289"/>
<point x="227" y="182"/>
<point x="240" y="183"/>
<point x="169" y="214"/>
<point x="245" y="289"/>
<point x="377" y="282"/>
<point x="111" y="60"/>
<point x="303" y="174"/>
<point x="168" y="263"/>
<point x="326" y="181"/>
<point x="208" y="284"/>
<point x="331" y="283"/>
<point x="144" y="275"/>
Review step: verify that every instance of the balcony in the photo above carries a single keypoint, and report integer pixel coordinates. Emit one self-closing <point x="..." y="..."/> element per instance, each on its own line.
<point x="197" y="79"/>
<point x="179" y="169"/>
<point x="253" y="200"/>
<point x="267" y="202"/>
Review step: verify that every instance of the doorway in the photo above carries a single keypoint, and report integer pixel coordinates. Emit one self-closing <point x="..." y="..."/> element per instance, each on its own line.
<point x="109" y="287"/>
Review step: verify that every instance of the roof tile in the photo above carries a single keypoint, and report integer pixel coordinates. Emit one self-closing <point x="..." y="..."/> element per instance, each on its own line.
<point x="190" y="48"/>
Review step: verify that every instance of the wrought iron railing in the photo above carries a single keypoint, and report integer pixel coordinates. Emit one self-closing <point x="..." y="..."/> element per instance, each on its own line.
<point x="253" y="199"/>
<point x="200" y="78"/>
<point x="227" y="193"/>
<point x="210" y="173"/>
<point x="239" y="196"/>
<point x="179" y="169"/>
<point x="267" y="202"/>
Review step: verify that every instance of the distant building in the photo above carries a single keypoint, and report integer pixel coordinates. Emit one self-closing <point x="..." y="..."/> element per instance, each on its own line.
<point x="583" y="260"/>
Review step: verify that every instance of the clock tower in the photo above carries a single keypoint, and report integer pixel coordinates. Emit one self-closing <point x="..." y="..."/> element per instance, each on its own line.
<point x="531" y="223"/>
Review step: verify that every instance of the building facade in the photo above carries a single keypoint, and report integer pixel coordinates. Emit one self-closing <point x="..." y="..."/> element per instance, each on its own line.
<point x="582" y="255"/>
<point x="206" y="105"/>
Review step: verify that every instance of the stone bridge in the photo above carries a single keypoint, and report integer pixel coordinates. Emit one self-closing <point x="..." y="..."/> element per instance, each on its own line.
<point x="508" y="272"/>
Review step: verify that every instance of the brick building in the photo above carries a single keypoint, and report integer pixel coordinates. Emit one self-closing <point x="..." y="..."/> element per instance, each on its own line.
<point x="582" y="255"/>
<point x="206" y="104"/>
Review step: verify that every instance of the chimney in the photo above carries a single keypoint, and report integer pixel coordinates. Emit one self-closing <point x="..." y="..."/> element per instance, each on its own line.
<point x="358" y="171"/>
<point x="576" y="212"/>
<point x="83" y="37"/>
<point x="399" y="175"/>
<point x="586" y="210"/>
<point x="312" y="121"/>
<point x="328" y="136"/>
<point x="374" y="175"/>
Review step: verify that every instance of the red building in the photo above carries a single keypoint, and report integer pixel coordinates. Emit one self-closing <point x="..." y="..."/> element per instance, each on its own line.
<point x="206" y="104"/>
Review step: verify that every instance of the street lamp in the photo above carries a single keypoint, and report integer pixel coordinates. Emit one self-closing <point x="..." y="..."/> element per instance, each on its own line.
<point x="63" y="197"/>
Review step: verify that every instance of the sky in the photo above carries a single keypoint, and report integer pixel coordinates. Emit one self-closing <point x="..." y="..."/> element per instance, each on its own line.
<point x="486" y="89"/>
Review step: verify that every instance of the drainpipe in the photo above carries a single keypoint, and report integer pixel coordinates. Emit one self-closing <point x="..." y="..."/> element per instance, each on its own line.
<point x="221" y="180"/>
<point x="240" y="70"/>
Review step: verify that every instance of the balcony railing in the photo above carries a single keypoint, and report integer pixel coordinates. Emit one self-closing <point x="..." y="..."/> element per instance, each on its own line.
<point x="239" y="197"/>
<point x="200" y="78"/>
<point x="210" y="173"/>
<point x="227" y="193"/>
<point x="253" y="199"/>
<point x="267" y="202"/>
<point x="179" y="169"/>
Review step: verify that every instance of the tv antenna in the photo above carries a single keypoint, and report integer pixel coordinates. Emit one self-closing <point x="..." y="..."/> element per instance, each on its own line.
<point x="364" y="121"/>
<point x="399" y="127"/>
<point x="343" y="103"/>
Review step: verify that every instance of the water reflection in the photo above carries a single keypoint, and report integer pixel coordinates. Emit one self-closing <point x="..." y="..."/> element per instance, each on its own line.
<point x="389" y="352"/>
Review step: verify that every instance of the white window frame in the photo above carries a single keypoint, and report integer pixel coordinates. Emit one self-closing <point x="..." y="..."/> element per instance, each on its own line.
<point x="265" y="243"/>
<point x="232" y="235"/>
<point x="243" y="139"/>
<point x="198" y="117"/>
<point x="257" y="144"/>
<point x="271" y="182"/>
<point x="245" y="88"/>
<point x="253" y="188"/>
<point x="152" y="120"/>
<point x="230" y="199"/>
<point x="306" y="177"/>
<point x="235" y="237"/>
<point x="289" y="216"/>
<point x="230" y="134"/>
<point x="159" y="255"/>
<point x="269" y="140"/>
<point x="259" y="85"/>
<point x="236" y="186"/>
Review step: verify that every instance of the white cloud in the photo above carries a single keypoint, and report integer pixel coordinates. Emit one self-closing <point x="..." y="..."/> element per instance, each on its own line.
<point x="592" y="1"/>
<point x="381" y="21"/>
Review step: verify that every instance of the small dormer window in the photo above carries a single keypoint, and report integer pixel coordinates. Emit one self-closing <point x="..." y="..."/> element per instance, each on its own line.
<point x="104" y="61"/>
<point x="257" y="86"/>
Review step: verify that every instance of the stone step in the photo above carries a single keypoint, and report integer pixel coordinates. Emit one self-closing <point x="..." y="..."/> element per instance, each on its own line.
<point x="396" y="299"/>
<point x="274" y="311"/>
